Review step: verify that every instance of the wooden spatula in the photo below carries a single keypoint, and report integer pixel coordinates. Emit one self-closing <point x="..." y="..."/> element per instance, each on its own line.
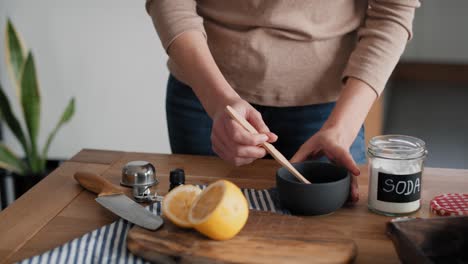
<point x="268" y="147"/>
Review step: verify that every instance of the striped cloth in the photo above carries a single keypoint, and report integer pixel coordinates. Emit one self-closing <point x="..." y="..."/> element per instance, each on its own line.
<point x="108" y="243"/>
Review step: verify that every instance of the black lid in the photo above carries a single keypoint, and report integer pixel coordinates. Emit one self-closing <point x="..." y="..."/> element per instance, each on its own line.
<point x="177" y="176"/>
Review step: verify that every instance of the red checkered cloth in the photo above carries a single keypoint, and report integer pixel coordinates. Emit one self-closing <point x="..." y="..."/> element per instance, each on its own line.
<point x="450" y="204"/>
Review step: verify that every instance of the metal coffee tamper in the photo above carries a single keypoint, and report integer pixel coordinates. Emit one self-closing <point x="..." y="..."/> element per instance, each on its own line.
<point x="141" y="176"/>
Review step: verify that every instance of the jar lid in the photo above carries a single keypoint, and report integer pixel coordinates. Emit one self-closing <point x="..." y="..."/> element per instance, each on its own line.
<point x="450" y="204"/>
<point x="399" y="147"/>
<point x="177" y="176"/>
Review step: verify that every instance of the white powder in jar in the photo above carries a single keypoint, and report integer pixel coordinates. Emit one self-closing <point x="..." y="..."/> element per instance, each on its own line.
<point x="394" y="167"/>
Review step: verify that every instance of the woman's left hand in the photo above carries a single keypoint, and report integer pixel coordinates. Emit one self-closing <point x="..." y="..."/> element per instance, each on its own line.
<point x="333" y="144"/>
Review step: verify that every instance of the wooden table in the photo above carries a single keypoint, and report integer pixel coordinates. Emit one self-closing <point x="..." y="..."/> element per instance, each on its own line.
<point x="57" y="209"/>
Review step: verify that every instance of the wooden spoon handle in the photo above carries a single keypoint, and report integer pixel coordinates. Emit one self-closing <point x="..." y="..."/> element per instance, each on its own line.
<point x="284" y="162"/>
<point x="268" y="147"/>
<point x="235" y="116"/>
<point x="96" y="184"/>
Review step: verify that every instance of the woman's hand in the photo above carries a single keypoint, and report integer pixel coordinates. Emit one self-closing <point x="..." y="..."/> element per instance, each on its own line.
<point x="230" y="141"/>
<point x="333" y="144"/>
<point x="235" y="144"/>
<point x="340" y="130"/>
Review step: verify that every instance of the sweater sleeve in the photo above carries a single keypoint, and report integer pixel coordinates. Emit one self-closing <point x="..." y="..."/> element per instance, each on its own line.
<point x="171" y="18"/>
<point x="382" y="39"/>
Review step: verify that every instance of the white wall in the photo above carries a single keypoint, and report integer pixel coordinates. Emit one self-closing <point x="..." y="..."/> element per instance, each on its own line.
<point x="440" y="32"/>
<point x="106" y="54"/>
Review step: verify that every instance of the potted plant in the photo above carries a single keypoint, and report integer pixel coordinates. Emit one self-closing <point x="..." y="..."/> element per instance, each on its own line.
<point x="32" y="167"/>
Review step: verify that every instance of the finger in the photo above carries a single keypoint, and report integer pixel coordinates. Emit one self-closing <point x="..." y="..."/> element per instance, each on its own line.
<point x="236" y="161"/>
<point x="224" y="153"/>
<point x="226" y="144"/>
<point x="250" y="152"/>
<point x="304" y="151"/>
<point x="218" y="152"/>
<point x="237" y="150"/>
<point x="345" y="159"/>
<point x="300" y="155"/>
<point x="242" y="136"/>
<point x="242" y="161"/>
<point x="218" y="137"/>
<point x="234" y="150"/>
<point x="272" y="137"/>
<point x="218" y="147"/>
<point x="354" y="189"/>
<point x="316" y="154"/>
<point x="256" y="120"/>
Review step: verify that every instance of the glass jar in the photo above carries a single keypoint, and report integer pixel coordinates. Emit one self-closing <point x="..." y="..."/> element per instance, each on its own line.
<point x="395" y="168"/>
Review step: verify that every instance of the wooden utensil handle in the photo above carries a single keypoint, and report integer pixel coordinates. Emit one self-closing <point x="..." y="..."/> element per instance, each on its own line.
<point x="240" y="120"/>
<point x="96" y="184"/>
<point x="284" y="162"/>
<point x="268" y="147"/>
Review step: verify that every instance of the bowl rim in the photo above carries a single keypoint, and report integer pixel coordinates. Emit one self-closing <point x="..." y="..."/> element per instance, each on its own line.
<point x="348" y="174"/>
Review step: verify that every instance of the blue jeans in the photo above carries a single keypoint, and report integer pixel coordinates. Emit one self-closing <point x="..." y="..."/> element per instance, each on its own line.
<point x="190" y="126"/>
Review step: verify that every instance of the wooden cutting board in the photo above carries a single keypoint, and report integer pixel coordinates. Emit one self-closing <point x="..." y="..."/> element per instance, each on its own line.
<point x="266" y="238"/>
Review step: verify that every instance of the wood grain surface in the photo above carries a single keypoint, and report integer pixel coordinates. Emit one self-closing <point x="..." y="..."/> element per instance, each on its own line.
<point x="266" y="238"/>
<point x="31" y="212"/>
<point x="58" y="210"/>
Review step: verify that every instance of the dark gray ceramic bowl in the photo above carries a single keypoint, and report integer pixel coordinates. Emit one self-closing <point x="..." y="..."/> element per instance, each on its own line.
<point x="327" y="193"/>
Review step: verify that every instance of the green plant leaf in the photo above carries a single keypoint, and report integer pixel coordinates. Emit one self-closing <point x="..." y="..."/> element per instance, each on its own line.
<point x="66" y="116"/>
<point x="12" y="122"/>
<point x="31" y="104"/>
<point x="15" y="53"/>
<point x="9" y="161"/>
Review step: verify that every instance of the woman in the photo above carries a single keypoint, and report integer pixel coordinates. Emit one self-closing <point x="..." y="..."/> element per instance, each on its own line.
<point x="307" y="70"/>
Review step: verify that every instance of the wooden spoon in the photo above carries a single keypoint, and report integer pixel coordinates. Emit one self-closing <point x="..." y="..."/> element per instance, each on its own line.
<point x="269" y="147"/>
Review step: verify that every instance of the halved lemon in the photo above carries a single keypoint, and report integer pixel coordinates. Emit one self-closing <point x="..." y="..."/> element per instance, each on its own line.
<point x="220" y="211"/>
<point x="177" y="203"/>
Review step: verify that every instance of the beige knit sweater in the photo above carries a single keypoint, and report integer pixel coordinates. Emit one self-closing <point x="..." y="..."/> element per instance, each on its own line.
<point x="292" y="52"/>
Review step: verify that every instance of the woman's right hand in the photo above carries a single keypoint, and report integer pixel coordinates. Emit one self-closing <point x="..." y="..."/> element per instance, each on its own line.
<point x="191" y="54"/>
<point x="232" y="142"/>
